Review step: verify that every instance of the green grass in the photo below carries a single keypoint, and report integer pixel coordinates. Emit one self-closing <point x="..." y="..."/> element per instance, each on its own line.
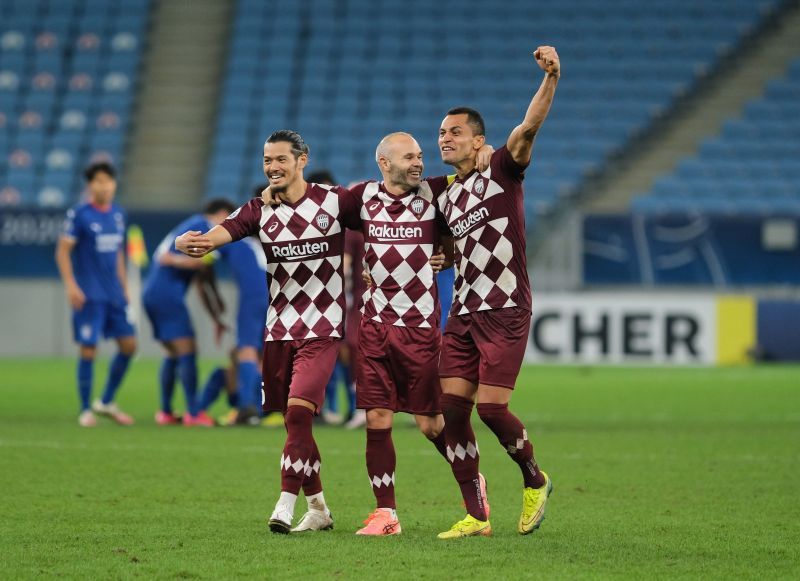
<point x="658" y="472"/>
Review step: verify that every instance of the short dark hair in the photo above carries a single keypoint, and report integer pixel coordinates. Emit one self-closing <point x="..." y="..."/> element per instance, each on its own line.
<point x="322" y="176"/>
<point x="299" y="147"/>
<point x="97" y="167"/>
<point x="218" y="205"/>
<point x="474" y="119"/>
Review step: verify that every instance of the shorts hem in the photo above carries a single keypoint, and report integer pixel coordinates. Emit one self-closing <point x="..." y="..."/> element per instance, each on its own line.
<point x="449" y="375"/>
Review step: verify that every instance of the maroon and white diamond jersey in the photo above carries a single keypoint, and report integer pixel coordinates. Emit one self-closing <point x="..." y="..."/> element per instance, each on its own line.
<point x="486" y="214"/>
<point x="400" y="235"/>
<point x="303" y="245"/>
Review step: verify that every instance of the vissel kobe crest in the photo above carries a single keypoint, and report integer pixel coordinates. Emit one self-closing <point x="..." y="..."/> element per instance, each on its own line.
<point x="479" y="187"/>
<point x="323" y="221"/>
<point x="417" y="206"/>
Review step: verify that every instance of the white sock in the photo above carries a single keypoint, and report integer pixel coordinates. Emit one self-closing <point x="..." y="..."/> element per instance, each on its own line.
<point x="286" y="502"/>
<point x="391" y="510"/>
<point x="316" y="502"/>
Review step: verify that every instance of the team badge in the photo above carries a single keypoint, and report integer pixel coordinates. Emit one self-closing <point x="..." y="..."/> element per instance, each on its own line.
<point x="417" y="206"/>
<point x="323" y="221"/>
<point x="479" y="187"/>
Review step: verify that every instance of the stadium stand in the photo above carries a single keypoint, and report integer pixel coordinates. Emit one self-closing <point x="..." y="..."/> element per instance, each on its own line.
<point x="751" y="168"/>
<point x="311" y="67"/>
<point x="68" y="73"/>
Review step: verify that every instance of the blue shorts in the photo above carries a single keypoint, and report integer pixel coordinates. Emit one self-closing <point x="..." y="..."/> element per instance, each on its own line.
<point x="250" y="323"/>
<point x="96" y="318"/>
<point x="170" y="320"/>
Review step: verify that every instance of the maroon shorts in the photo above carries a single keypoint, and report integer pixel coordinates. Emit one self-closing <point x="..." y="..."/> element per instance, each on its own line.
<point x="397" y="368"/>
<point x="298" y="369"/>
<point x="486" y="346"/>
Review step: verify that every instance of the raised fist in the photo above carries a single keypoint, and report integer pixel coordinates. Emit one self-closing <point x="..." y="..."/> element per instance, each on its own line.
<point x="547" y="59"/>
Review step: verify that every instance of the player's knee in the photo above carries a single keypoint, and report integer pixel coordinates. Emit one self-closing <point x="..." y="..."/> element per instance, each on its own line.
<point x="379" y="419"/>
<point x="87" y="351"/>
<point x="128" y="347"/>
<point x="430" y="426"/>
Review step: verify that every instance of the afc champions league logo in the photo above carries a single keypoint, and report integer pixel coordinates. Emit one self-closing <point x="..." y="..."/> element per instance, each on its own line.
<point x="417" y="205"/>
<point x="323" y="221"/>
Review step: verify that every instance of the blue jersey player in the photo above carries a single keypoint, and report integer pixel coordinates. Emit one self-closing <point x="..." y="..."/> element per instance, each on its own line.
<point x="91" y="260"/>
<point x="248" y="267"/>
<point x="164" y="294"/>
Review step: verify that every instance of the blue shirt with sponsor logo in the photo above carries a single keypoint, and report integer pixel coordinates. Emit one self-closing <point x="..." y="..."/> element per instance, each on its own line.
<point x="167" y="282"/>
<point x="99" y="235"/>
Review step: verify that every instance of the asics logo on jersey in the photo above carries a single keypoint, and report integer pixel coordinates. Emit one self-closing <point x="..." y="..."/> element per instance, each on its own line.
<point x="385" y="232"/>
<point x="300" y="251"/>
<point x="272" y="227"/>
<point x="466" y="223"/>
<point x="374" y="206"/>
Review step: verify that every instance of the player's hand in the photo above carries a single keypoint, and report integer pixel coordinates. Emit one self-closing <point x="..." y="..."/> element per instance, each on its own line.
<point x="270" y="197"/>
<point x="484" y="157"/>
<point x="437" y="260"/>
<point x="193" y="243"/>
<point x="220" y="329"/>
<point x="76" y="297"/>
<point x="367" y="278"/>
<point x="547" y="59"/>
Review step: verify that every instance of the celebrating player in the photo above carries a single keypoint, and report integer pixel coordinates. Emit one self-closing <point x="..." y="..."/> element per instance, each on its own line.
<point x="91" y="261"/>
<point x="487" y="332"/>
<point x="399" y="337"/>
<point x="302" y="239"/>
<point x="164" y="301"/>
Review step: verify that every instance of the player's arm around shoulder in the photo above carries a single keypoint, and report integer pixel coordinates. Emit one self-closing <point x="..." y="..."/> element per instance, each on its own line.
<point x="520" y="142"/>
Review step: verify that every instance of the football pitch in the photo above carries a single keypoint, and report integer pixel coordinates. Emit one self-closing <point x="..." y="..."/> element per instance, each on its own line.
<point x="690" y="473"/>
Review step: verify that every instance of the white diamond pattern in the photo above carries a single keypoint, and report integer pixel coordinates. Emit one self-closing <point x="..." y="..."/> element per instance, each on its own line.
<point x="461" y="452"/>
<point x="385" y="480"/>
<point x="404" y="293"/>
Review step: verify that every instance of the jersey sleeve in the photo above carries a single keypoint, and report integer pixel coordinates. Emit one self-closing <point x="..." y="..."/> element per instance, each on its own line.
<point x="245" y="221"/>
<point x="350" y="206"/>
<point x="504" y="164"/>
<point x="71" y="227"/>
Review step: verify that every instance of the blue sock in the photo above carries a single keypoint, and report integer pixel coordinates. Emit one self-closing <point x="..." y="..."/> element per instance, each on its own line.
<point x="187" y="369"/>
<point x="214" y="385"/>
<point x="166" y="379"/>
<point x="233" y="398"/>
<point x="350" y="387"/>
<point x="119" y="365"/>
<point x="256" y="394"/>
<point x="247" y="373"/>
<point x="85" y="368"/>
<point x="331" y="395"/>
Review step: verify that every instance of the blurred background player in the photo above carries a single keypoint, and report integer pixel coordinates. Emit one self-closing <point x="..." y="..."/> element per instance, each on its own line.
<point x="487" y="333"/>
<point x="248" y="266"/>
<point x="302" y="238"/>
<point x="164" y="296"/>
<point x="343" y="372"/>
<point x="91" y="261"/>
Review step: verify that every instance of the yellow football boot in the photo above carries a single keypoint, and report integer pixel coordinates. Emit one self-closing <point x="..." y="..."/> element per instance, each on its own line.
<point x="534" y="501"/>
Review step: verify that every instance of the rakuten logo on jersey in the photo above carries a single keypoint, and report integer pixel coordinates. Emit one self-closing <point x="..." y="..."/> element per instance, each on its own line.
<point x="300" y="251"/>
<point x="385" y="232"/>
<point x="466" y="223"/>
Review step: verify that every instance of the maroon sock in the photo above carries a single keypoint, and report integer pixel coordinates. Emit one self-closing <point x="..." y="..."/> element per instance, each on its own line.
<point x="462" y="451"/>
<point x="440" y="443"/>
<point x="312" y="483"/>
<point x="296" y="457"/>
<point x="514" y="438"/>
<point x="381" y="462"/>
